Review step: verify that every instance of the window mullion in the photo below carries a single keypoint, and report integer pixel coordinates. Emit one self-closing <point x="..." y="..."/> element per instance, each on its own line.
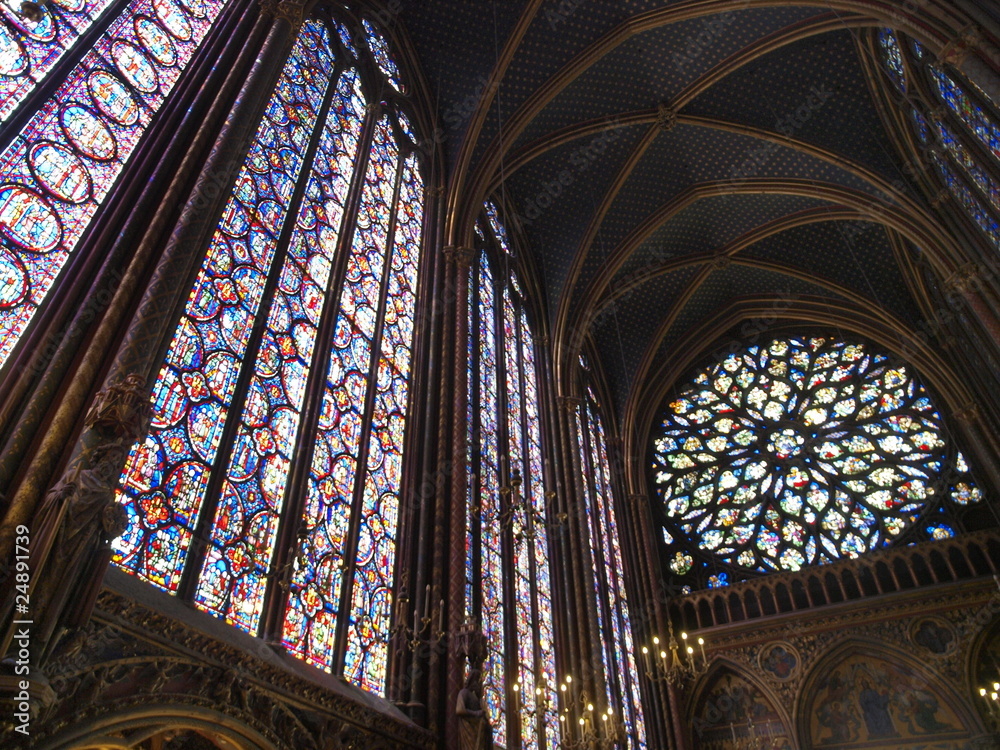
<point x="200" y="540"/>
<point x="361" y="471"/>
<point x="511" y="665"/>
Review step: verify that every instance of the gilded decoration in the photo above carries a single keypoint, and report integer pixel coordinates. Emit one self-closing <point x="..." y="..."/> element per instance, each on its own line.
<point x="866" y="702"/>
<point x="130" y="660"/>
<point x="815" y="663"/>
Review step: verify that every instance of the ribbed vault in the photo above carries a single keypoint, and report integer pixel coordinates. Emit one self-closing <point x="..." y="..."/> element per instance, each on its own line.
<point x="675" y="172"/>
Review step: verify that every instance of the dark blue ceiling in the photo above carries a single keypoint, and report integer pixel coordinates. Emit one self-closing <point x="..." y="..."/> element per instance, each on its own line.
<point x="812" y="88"/>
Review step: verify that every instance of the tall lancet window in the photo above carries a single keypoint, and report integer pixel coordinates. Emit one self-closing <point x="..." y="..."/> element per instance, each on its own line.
<point x="509" y="586"/>
<point x="77" y="135"/>
<point x="267" y="489"/>
<point x="957" y="124"/>
<point x="622" y="679"/>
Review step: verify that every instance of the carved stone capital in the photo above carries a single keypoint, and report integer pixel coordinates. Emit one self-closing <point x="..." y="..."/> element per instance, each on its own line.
<point x="666" y="117"/>
<point x="569" y="403"/>
<point x="292" y="11"/>
<point x="637" y="499"/>
<point x="462" y="257"/>
<point x="968" y="414"/>
<point x="963" y="278"/>
<point x="958" y="49"/>
<point x="268" y="7"/>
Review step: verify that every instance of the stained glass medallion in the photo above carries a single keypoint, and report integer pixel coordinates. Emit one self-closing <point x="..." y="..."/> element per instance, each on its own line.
<point x="56" y="173"/>
<point x="803" y="451"/>
<point x="166" y="479"/>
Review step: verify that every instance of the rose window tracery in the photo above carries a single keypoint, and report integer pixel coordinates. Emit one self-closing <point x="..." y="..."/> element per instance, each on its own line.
<point x="801" y="451"/>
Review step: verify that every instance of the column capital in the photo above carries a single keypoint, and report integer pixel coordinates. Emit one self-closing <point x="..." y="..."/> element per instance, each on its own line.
<point x="635" y="498"/>
<point x="568" y="403"/>
<point x="293" y="11"/>
<point x="968" y="413"/>
<point x="958" y="49"/>
<point x="963" y="278"/>
<point x="459" y="255"/>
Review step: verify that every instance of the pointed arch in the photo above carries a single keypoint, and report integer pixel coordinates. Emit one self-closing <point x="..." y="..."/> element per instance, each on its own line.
<point x="885" y="696"/>
<point x="730" y="705"/>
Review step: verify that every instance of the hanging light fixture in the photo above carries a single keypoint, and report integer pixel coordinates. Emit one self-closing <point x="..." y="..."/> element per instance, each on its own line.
<point x="673" y="662"/>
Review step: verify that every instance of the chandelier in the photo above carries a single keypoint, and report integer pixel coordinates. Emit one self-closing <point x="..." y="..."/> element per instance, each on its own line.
<point x="674" y="666"/>
<point x="585" y="727"/>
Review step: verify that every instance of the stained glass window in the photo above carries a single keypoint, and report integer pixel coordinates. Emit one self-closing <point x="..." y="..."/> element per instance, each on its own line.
<point x="801" y="451"/>
<point x="617" y="648"/>
<point x="507" y="564"/>
<point x="975" y="117"/>
<point x="893" y="58"/>
<point x="966" y="130"/>
<point x="302" y="291"/>
<point x="30" y="47"/>
<point x="58" y="170"/>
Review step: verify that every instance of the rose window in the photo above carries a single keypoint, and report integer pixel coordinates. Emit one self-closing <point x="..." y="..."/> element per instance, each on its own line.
<point x="799" y="452"/>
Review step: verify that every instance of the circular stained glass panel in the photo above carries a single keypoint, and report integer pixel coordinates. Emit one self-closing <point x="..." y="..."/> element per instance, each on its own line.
<point x="799" y="452"/>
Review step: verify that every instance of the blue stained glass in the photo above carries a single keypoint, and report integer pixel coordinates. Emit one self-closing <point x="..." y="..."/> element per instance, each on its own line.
<point x="973" y="207"/>
<point x="499" y="231"/>
<point x="380" y="51"/>
<point x="800" y="452"/>
<point x="368" y="630"/>
<point x="265" y="443"/>
<point x="979" y="176"/>
<point x="166" y="477"/>
<point x="318" y="580"/>
<point x="616" y="634"/>
<point x="29" y="49"/>
<point x="893" y="58"/>
<point x="491" y="512"/>
<point x="975" y="119"/>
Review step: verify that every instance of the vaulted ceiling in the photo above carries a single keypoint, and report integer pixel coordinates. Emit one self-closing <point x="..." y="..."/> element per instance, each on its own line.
<point x="673" y="169"/>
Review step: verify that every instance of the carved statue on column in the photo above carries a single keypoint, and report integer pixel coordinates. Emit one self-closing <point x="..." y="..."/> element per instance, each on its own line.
<point x="79" y="517"/>
<point x="474" y="727"/>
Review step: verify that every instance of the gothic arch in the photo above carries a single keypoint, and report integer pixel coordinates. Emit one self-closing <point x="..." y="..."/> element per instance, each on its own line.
<point x="719" y="708"/>
<point x="873" y="692"/>
<point x="129" y="728"/>
<point x="805" y="311"/>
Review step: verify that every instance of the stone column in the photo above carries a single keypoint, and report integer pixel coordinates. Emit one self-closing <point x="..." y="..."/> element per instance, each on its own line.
<point x="138" y="358"/>
<point x="461" y="259"/>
